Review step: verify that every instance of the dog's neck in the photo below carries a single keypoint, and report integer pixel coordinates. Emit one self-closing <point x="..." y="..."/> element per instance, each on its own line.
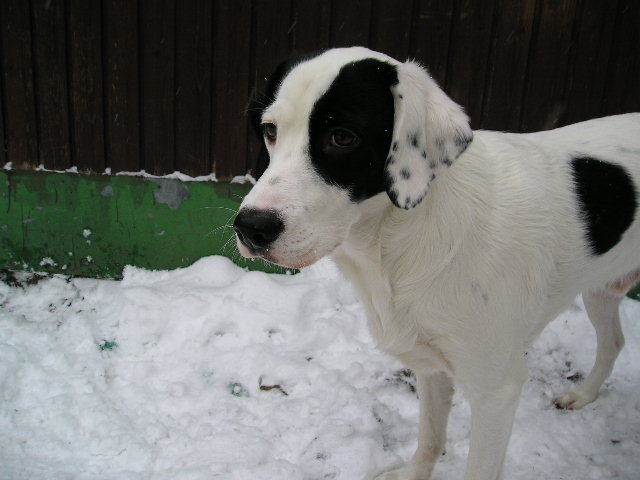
<point x="385" y="235"/>
<point x="360" y="259"/>
<point x="378" y="255"/>
<point x="372" y="258"/>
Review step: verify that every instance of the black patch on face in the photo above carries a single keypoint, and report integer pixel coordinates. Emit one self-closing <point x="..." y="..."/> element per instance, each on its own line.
<point x="463" y="141"/>
<point x="358" y="100"/>
<point x="607" y="199"/>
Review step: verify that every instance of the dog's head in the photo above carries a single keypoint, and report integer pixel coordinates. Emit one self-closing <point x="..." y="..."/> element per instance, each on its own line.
<point x="340" y="128"/>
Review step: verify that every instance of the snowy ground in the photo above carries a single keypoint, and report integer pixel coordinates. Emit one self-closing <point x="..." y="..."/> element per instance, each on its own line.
<point x="211" y="372"/>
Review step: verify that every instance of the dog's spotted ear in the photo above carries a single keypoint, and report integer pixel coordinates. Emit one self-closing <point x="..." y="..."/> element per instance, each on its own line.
<point x="430" y="131"/>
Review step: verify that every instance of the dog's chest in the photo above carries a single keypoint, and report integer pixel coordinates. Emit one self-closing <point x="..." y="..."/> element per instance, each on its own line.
<point x="392" y="323"/>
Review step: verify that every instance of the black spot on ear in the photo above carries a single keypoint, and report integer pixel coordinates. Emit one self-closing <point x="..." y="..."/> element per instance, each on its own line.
<point x="405" y="173"/>
<point x="394" y="146"/>
<point x="462" y="141"/>
<point x="413" y="139"/>
<point x="607" y="199"/>
<point x="393" y="193"/>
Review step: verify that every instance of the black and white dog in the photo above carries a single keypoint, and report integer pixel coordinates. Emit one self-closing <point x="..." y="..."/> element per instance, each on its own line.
<point x="463" y="245"/>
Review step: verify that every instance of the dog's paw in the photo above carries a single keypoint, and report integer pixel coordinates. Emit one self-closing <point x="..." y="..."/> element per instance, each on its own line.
<point x="573" y="400"/>
<point x="405" y="473"/>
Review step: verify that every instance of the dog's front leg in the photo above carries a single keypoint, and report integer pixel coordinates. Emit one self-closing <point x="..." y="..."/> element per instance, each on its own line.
<point x="492" y="413"/>
<point x="434" y="392"/>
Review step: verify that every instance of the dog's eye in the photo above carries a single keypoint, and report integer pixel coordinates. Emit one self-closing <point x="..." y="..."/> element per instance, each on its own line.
<point x="343" y="138"/>
<point x="270" y="131"/>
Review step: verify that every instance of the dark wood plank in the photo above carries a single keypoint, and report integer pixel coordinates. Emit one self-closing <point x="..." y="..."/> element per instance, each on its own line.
<point x="272" y="37"/>
<point x="3" y="143"/>
<point x="193" y="87"/>
<point x="231" y="53"/>
<point x="271" y="43"/>
<point x="587" y="69"/>
<point x="350" y="23"/>
<point x="121" y="87"/>
<point x="391" y="27"/>
<point x="52" y="101"/>
<point x="468" y="55"/>
<point x="310" y="28"/>
<point x="17" y="71"/>
<point x="158" y="85"/>
<point x="431" y="34"/>
<point x="545" y="90"/>
<point x="512" y="27"/>
<point x="622" y="94"/>
<point x="85" y="85"/>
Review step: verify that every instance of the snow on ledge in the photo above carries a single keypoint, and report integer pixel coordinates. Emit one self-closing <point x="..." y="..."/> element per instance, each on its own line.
<point x="175" y="175"/>
<point x="241" y="179"/>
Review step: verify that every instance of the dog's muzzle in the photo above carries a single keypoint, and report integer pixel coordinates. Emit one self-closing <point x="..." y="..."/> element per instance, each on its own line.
<point x="257" y="229"/>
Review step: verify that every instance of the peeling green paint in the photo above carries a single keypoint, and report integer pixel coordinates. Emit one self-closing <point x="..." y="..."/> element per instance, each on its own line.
<point x="94" y="225"/>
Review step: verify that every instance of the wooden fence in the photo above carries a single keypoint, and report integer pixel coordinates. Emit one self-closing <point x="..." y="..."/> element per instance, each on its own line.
<point x="162" y="85"/>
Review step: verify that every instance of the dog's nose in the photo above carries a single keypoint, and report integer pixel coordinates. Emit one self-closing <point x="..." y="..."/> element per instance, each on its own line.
<point x="257" y="229"/>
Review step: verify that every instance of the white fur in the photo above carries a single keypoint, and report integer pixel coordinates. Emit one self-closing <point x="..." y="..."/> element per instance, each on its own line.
<point x="460" y="285"/>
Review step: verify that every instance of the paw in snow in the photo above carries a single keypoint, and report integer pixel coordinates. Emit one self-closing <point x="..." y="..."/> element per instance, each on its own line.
<point x="573" y="400"/>
<point x="406" y="473"/>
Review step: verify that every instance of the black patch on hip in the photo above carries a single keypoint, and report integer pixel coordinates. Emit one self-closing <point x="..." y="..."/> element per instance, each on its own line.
<point x="359" y="100"/>
<point x="607" y="199"/>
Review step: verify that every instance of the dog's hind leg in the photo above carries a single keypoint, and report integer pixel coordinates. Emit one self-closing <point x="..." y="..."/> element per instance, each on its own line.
<point x="602" y="308"/>
<point x="435" y="392"/>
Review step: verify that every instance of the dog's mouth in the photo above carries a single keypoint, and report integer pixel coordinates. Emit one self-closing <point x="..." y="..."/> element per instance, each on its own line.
<point x="274" y="256"/>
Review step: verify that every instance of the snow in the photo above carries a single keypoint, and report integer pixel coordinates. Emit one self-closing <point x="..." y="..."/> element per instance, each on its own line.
<point x="175" y="175"/>
<point x="212" y="372"/>
<point x="141" y="173"/>
<point x="248" y="178"/>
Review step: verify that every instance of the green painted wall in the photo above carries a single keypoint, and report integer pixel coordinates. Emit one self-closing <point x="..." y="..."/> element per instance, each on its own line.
<point x="94" y="225"/>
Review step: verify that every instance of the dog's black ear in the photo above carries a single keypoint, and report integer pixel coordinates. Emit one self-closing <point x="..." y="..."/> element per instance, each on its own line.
<point x="430" y="131"/>
<point x="260" y="100"/>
